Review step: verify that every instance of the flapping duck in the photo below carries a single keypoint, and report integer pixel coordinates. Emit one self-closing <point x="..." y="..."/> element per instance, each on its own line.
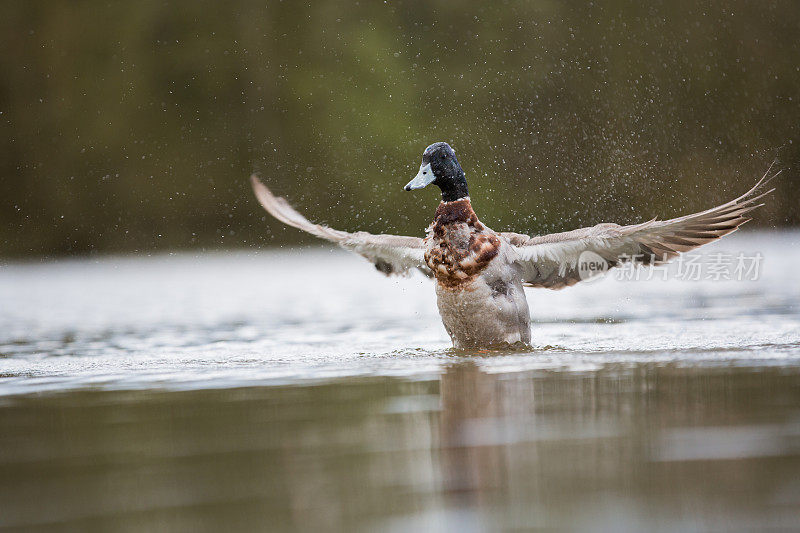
<point x="480" y="273"/>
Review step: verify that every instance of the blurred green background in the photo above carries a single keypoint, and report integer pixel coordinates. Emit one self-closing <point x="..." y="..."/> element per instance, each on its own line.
<point x="133" y="126"/>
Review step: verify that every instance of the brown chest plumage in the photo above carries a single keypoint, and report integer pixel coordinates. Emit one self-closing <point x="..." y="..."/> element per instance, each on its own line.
<point x="459" y="246"/>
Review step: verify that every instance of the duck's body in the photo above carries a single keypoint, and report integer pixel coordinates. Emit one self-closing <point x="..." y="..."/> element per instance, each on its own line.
<point x="478" y="282"/>
<point x="480" y="274"/>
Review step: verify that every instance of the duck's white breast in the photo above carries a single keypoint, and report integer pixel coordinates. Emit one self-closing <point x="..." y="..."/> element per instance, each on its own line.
<point x="490" y="309"/>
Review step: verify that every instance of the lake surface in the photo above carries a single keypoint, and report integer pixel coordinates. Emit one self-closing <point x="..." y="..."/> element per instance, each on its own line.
<point x="299" y="389"/>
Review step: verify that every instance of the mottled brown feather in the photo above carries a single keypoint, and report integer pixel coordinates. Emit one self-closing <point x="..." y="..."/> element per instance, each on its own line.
<point x="460" y="247"/>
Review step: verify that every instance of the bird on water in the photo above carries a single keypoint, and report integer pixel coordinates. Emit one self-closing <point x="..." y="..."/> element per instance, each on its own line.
<point x="480" y="274"/>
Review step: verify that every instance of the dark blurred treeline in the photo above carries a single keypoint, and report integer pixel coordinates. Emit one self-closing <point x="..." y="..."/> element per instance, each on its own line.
<point x="133" y="126"/>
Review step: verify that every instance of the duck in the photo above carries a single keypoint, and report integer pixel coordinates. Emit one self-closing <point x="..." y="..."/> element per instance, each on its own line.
<point x="480" y="275"/>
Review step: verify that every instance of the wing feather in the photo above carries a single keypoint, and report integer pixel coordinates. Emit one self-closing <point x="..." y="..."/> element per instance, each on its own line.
<point x="391" y="254"/>
<point x="551" y="261"/>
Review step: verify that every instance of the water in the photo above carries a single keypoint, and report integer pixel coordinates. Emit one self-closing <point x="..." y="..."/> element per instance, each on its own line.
<point x="299" y="389"/>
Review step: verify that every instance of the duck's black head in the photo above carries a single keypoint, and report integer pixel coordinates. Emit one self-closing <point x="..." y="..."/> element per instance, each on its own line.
<point x="440" y="167"/>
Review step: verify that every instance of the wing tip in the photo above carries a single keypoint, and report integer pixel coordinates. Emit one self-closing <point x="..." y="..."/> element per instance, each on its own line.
<point x="762" y="183"/>
<point x="261" y="191"/>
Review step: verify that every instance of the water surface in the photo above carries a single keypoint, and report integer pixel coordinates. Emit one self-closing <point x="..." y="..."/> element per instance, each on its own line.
<point x="299" y="389"/>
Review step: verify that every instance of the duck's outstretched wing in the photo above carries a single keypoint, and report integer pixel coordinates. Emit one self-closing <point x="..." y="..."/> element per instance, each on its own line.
<point x="391" y="254"/>
<point x="551" y="261"/>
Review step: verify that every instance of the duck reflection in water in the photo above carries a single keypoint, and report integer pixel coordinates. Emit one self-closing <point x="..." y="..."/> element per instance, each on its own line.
<point x="472" y="455"/>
